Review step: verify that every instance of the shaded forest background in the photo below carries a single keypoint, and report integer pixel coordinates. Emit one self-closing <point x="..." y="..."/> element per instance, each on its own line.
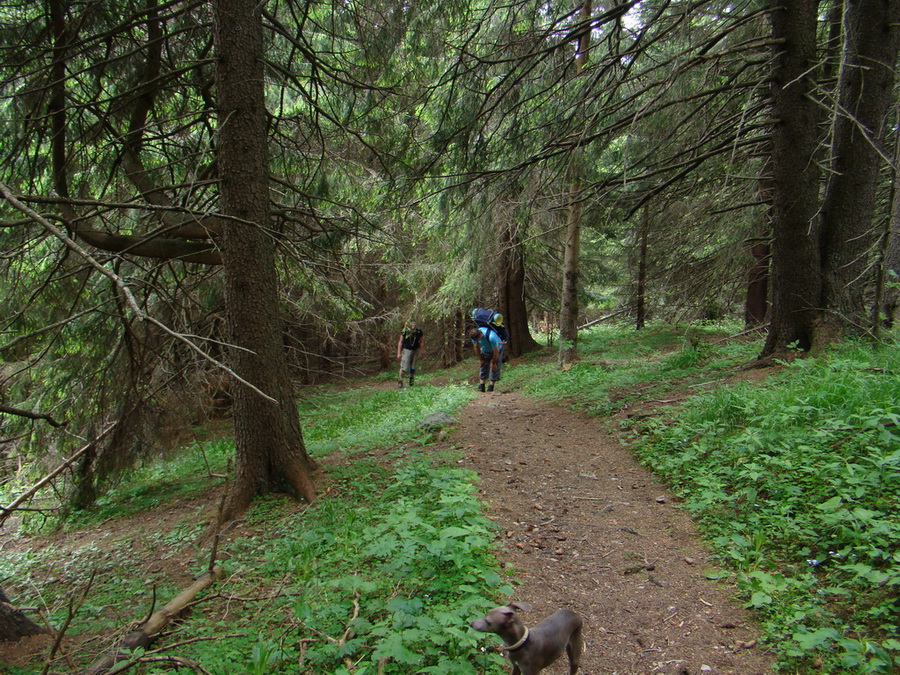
<point x="206" y="204"/>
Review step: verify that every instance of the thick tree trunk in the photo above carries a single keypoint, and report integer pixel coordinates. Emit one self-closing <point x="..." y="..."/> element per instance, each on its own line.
<point x="451" y="342"/>
<point x="796" y="284"/>
<point x="512" y="293"/>
<point x="872" y="36"/>
<point x="756" y="302"/>
<point x="889" y="275"/>
<point x="568" y="311"/>
<point x="14" y="625"/>
<point x="271" y="455"/>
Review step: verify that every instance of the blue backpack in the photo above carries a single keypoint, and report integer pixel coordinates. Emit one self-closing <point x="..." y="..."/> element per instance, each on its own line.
<point x="488" y="318"/>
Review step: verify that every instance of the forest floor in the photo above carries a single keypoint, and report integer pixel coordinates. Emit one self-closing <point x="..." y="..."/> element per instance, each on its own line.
<point x="586" y="527"/>
<point x="582" y="526"/>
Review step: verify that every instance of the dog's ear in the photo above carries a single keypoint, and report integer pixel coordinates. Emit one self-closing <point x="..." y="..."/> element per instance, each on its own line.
<point x="521" y="606"/>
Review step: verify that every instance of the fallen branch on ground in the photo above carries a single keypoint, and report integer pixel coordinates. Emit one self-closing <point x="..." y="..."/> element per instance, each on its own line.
<point x="152" y="627"/>
<point x="752" y="329"/>
<point x="602" y="318"/>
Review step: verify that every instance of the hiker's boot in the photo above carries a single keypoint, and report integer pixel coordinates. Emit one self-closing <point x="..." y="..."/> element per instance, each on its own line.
<point x="410" y="381"/>
<point x="399" y="384"/>
<point x="491" y="387"/>
<point x="481" y="386"/>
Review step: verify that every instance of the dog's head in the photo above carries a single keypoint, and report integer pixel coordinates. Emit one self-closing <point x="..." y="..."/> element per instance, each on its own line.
<point x="499" y="618"/>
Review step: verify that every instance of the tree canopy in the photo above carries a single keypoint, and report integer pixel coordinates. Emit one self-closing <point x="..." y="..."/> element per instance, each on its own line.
<point x="416" y="159"/>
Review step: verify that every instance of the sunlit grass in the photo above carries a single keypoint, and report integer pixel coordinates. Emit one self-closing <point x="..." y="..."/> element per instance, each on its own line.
<point x="354" y="420"/>
<point x="616" y="366"/>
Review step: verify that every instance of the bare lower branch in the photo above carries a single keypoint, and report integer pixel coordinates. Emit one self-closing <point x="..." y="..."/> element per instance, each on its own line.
<point x="9" y="410"/>
<point x="121" y="286"/>
<point x="6" y="511"/>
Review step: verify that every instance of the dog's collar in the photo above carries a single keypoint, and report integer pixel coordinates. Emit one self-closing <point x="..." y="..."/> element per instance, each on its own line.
<point x="519" y="644"/>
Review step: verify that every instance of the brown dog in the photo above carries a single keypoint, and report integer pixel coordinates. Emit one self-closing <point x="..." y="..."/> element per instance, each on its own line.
<point x="533" y="650"/>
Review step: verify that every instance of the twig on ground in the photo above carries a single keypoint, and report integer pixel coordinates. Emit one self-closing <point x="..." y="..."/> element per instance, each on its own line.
<point x="72" y="611"/>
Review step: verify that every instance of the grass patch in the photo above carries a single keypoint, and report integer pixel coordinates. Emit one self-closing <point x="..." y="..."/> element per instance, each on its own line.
<point x="355" y="420"/>
<point x="381" y="578"/>
<point x="617" y="367"/>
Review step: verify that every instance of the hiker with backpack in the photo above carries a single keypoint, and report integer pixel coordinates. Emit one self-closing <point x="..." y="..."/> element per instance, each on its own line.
<point x="488" y="318"/>
<point x="488" y="339"/>
<point x="409" y="346"/>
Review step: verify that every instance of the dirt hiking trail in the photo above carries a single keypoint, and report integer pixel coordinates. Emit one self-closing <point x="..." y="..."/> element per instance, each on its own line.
<point x="586" y="527"/>
<point x="582" y="525"/>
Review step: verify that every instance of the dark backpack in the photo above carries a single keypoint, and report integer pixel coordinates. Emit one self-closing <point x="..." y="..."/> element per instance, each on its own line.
<point x="484" y="318"/>
<point x="412" y="338"/>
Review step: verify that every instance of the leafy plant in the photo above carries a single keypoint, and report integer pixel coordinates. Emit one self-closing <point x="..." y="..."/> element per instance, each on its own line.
<point x="798" y="483"/>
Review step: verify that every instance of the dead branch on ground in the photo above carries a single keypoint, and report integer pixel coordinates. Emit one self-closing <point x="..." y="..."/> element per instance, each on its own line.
<point x="150" y="629"/>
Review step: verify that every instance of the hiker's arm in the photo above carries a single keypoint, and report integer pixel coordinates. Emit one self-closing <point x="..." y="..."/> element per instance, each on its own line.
<point x="495" y="358"/>
<point x="400" y="348"/>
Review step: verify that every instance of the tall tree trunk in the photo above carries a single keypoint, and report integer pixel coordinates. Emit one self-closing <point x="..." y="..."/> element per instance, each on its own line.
<point x="640" y="299"/>
<point x="889" y="274"/>
<point x="452" y="328"/>
<point x="512" y="292"/>
<point x="270" y="453"/>
<point x="796" y="283"/>
<point x="756" y="302"/>
<point x="57" y="105"/>
<point x="871" y="40"/>
<point x="568" y="315"/>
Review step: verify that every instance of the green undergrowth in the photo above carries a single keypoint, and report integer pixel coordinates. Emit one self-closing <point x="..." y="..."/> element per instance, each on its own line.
<point x="380" y="575"/>
<point x="619" y="365"/>
<point x="354" y="420"/>
<point x="797" y="483"/>
<point x="794" y="479"/>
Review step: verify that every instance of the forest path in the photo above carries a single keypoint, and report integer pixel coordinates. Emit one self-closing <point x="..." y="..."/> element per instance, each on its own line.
<point x="586" y="527"/>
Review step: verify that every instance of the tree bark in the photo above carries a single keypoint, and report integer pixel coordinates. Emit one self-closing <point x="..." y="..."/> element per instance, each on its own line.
<point x="270" y="453"/>
<point x="568" y="315"/>
<point x="796" y="283"/>
<point x="640" y="300"/>
<point x="451" y="339"/>
<point x="756" y="302"/>
<point x="871" y="40"/>
<point x="512" y="292"/>
<point x="889" y="274"/>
